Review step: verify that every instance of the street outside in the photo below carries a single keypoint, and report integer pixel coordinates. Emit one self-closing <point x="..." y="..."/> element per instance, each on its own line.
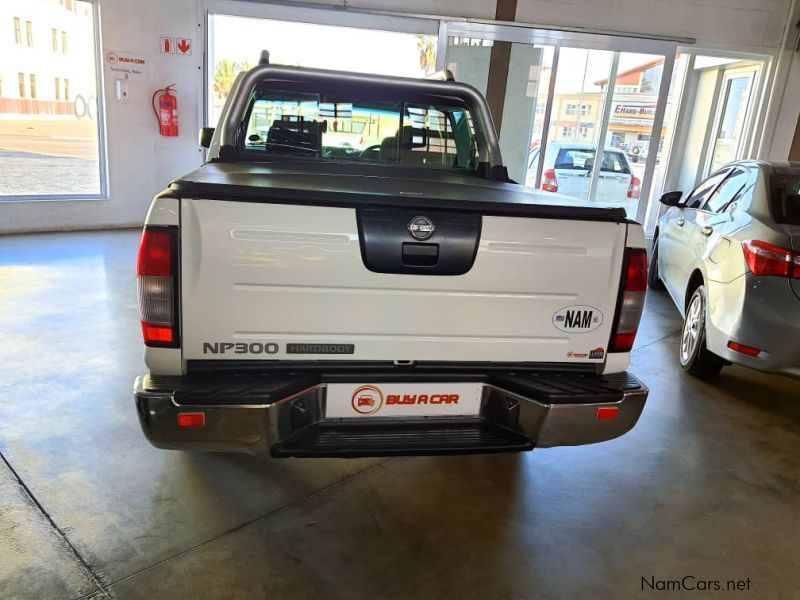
<point x="48" y="156"/>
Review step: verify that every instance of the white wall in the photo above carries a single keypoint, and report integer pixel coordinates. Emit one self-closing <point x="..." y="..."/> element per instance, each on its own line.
<point x="744" y="25"/>
<point x="784" y="108"/>
<point x="141" y="163"/>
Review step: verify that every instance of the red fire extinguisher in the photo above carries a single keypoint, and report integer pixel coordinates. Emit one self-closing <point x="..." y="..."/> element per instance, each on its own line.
<point x="167" y="111"/>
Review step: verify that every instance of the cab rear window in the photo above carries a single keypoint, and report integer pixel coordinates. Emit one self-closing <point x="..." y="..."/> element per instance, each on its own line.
<point x="785" y="196"/>
<point x="433" y="135"/>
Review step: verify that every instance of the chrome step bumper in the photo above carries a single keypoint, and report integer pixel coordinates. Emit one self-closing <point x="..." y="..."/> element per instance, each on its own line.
<point x="295" y="425"/>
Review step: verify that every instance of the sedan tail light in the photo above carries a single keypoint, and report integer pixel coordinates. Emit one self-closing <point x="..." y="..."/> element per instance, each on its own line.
<point x="766" y="259"/>
<point x="156" y="277"/>
<point x="549" y="182"/>
<point x="630" y="310"/>
<point x="635" y="188"/>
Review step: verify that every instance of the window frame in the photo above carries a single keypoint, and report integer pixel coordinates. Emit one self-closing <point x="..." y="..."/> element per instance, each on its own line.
<point x="100" y="117"/>
<point x="734" y="171"/>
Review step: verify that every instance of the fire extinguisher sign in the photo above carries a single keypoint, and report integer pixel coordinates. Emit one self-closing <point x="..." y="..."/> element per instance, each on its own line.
<point x="175" y="45"/>
<point x="167" y="45"/>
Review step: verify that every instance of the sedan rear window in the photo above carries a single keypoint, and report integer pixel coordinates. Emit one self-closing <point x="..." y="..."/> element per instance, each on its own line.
<point x="785" y="195"/>
<point x="582" y="159"/>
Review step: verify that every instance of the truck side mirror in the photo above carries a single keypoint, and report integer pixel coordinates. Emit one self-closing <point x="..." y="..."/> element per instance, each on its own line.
<point x="206" y="133"/>
<point x="671" y="198"/>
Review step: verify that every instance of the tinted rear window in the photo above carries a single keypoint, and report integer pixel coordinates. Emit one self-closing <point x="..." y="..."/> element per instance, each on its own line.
<point x="785" y="193"/>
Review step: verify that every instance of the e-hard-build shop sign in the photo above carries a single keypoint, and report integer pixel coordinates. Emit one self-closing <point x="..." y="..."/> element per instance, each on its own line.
<point x="130" y="67"/>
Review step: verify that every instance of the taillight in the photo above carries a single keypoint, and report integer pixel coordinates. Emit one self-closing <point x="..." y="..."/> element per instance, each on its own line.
<point x="549" y="183"/>
<point x="764" y="259"/>
<point x="156" y="275"/>
<point x="633" y="292"/>
<point x="635" y="188"/>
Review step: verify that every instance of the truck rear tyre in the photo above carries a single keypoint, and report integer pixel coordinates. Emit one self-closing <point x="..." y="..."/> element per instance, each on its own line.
<point x="695" y="357"/>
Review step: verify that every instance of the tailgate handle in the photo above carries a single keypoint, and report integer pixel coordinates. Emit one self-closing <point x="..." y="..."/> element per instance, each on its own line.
<point x="426" y="255"/>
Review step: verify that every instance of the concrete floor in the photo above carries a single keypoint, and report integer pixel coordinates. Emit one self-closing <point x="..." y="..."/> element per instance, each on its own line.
<point x="706" y="485"/>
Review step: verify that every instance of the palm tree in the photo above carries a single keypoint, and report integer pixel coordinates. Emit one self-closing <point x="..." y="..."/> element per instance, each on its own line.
<point x="426" y="44"/>
<point x="224" y="75"/>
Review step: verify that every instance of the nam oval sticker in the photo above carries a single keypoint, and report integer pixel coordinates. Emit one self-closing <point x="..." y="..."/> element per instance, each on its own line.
<point x="579" y="318"/>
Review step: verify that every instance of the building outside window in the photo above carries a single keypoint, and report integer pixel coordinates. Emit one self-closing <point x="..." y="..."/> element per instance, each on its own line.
<point x="49" y="119"/>
<point x="585" y="109"/>
<point x="571" y="109"/>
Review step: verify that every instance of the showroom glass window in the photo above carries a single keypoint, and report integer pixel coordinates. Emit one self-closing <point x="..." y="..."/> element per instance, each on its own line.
<point x="235" y="43"/>
<point x="49" y="130"/>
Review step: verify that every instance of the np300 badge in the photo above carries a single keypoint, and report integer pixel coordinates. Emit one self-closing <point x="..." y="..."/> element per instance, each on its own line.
<point x="421" y="228"/>
<point x="578" y="319"/>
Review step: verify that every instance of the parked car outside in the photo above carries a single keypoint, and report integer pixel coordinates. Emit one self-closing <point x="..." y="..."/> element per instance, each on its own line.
<point x="729" y="255"/>
<point x="567" y="170"/>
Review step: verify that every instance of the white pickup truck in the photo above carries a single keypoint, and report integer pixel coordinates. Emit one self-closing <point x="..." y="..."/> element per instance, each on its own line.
<point x="308" y="293"/>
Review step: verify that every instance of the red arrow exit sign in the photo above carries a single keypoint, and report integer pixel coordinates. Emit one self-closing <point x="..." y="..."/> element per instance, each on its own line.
<point x="175" y="45"/>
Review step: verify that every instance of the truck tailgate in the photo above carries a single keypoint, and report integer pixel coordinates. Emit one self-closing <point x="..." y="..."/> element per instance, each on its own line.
<point x="263" y="281"/>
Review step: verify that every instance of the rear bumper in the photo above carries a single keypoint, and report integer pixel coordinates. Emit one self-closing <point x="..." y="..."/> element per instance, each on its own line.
<point x="554" y="410"/>
<point x="762" y="312"/>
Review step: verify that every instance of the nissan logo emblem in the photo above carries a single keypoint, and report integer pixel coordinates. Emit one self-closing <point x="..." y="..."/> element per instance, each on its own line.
<point x="421" y="228"/>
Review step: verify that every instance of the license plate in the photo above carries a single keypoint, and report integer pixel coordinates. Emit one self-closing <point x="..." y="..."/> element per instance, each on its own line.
<point x="356" y="400"/>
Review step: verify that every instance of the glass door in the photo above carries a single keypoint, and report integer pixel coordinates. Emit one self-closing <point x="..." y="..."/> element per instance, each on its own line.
<point x="714" y="112"/>
<point x="564" y="96"/>
<point x="735" y="100"/>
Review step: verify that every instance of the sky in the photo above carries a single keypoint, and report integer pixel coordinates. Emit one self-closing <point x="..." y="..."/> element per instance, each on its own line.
<point x="323" y="46"/>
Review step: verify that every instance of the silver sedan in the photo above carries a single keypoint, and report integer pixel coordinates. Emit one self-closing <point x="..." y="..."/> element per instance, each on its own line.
<point x="729" y="255"/>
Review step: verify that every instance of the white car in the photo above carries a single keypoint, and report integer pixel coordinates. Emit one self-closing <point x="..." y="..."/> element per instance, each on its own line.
<point x="405" y="299"/>
<point x="567" y="169"/>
